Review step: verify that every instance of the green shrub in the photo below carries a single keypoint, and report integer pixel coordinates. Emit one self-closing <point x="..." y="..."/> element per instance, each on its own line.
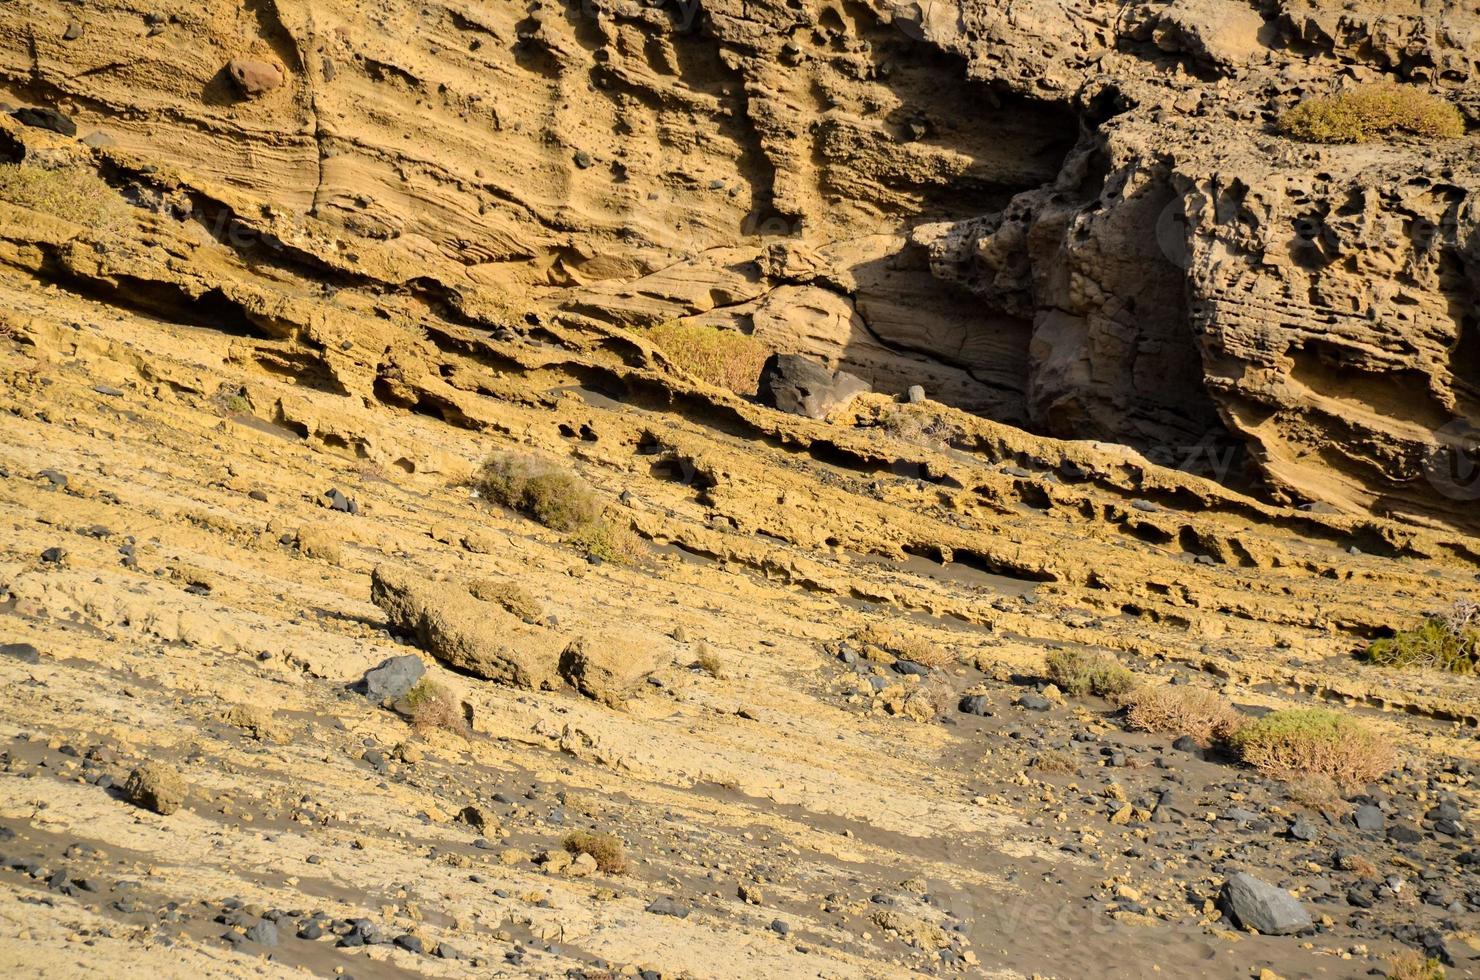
<point x="1450" y="642"/>
<point x="724" y="358"/>
<point x="430" y="706"/>
<point x="1313" y="741"/>
<point x="609" y="539"/>
<point x="607" y="850"/>
<point x="1369" y="112"/>
<point x="72" y="193"/>
<point x="1079" y="673"/>
<point x="540" y="489"/>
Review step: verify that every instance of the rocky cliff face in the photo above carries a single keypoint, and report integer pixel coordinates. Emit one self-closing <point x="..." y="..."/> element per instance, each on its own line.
<point x="277" y="278"/>
<point x="1069" y="216"/>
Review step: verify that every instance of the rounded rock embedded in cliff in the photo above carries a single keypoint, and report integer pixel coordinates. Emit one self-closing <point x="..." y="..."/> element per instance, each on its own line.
<point x="254" y="78"/>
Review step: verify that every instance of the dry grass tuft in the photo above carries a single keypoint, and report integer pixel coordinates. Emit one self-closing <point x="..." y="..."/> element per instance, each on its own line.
<point x="538" y="488"/>
<point x="1319" y="793"/>
<point x="1450" y="642"/>
<point x="1182" y="710"/>
<point x="609" y="853"/>
<point x="72" y="193"/>
<point x="1413" y="965"/>
<point x="709" y="662"/>
<point x="1305" y="741"/>
<point x="1053" y="761"/>
<point x="724" y="358"/>
<point x="1369" y="112"/>
<point x="1079" y="673"/>
<point x="432" y="707"/>
<point x="938" y="694"/>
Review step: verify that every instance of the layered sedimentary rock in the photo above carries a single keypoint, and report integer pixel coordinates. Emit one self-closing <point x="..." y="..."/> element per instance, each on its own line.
<point x="1072" y="217"/>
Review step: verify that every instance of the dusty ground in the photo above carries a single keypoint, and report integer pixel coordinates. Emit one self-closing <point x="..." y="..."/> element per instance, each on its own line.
<point x="871" y="844"/>
<point x="274" y="303"/>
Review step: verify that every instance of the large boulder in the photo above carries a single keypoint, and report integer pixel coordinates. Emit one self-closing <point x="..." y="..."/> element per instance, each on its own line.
<point x="1263" y="907"/>
<point x="800" y="385"/>
<point x="155" y="786"/>
<point x="609" y="668"/>
<point x="45" y="117"/>
<point x="465" y="633"/>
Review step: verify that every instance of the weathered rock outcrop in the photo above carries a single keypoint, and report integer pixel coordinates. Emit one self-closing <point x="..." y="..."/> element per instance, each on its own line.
<point x="1075" y="217"/>
<point x="466" y="633"/>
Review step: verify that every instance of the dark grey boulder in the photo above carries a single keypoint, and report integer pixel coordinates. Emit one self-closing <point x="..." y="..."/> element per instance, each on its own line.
<point x="44" y="117"/>
<point x="799" y="385"/>
<point x="393" y="677"/>
<point x="976" y="704"/>
<point x="1263" y="907"/>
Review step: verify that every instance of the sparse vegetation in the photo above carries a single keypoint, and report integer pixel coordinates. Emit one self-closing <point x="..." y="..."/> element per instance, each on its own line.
<point x="610" y="539"/>
<point x="432" y="707"/>
<point x="540" y="489"/>
<point x="1369" y="112"/>
<point x="938" y="694"/>
<point x="1413" y="965"/>
<point x="1054" y="761"/>
<point x="72" y="193"/>
<point x="708" y="661"/>
<point x="608" y="852"/>
<point x="724" y="358"/>
<point x="920" y="425"/>
<point x="1080" y="673"/>
<point x="1179" y="709"/>
<point x="1319" y="793"/>
<point x="1304" y="741"/>
<point x="1449" y="642"/>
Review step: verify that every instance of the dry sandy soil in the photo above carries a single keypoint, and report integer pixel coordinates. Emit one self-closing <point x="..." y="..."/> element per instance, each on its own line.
<point x="256" y="349"/>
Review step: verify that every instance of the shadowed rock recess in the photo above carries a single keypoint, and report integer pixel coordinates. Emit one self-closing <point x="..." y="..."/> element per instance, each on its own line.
<point x="1012" y="619"/>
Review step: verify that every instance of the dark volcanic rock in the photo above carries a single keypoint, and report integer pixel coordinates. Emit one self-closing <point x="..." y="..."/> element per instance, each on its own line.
<point x="800" y="385"/>
<point x="1258" y="905"/>
<point x="46" y="118"/>
<point x="393" y="677"/>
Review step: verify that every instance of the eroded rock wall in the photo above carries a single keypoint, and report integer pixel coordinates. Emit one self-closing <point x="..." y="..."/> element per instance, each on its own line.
<point x="1073" y="217"/>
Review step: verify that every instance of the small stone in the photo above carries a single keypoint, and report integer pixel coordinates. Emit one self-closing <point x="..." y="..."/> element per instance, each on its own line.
<point x="1369" y="817"/>
<point x="975" y="704"/>
<point x="1303" y="829"/>
<point x="1033" y="702"/>
<point x="915" y="395"/>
